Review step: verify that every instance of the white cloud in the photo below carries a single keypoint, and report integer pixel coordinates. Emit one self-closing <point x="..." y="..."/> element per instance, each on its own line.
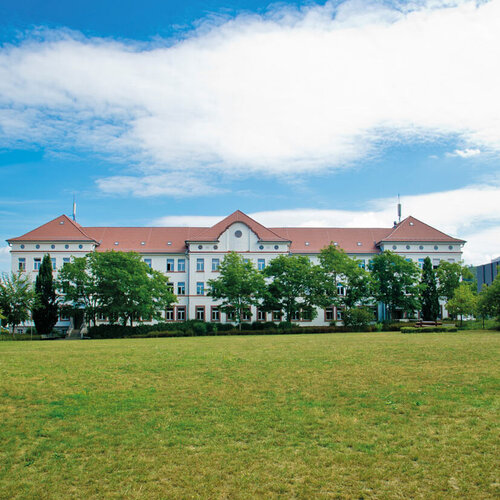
<point x="471" y="213"/>
<point x="279" y="94"/>
<point x="169" y="184"/>
<point x="465" y="153"/>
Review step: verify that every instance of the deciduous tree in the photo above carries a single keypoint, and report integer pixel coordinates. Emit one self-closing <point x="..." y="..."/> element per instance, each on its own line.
<point x="16" y="298"/>
<point x="127" y="288"/>
<point x="340" y="269"/>
<point x="463" y="302"/>
<point x="239" y="285"/>
<point x="295" y="284"/>
<point x="395" y="282"/>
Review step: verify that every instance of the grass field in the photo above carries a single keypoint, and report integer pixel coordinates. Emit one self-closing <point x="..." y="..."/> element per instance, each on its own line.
<point x="355" y="415"/>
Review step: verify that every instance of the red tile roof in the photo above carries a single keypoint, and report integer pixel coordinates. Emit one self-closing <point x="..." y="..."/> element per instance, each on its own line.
<point x="155" y="238"/>
<point x="303" y="239"/>
<point x="61" y="228"/>
<point x="213" y="233"/>
<point x="411" y="229"/>
<point x="319" y="237"/>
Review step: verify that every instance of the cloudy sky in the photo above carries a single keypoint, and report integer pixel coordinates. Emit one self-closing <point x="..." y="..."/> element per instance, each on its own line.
<point x="297" y="113"/>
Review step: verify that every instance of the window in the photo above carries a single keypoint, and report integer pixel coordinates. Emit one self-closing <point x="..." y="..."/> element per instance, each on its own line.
<point x="36" y="263"/>
<point x="246" y="261"/>
<point x="148" y="262"/>
<point x="200" y="264"/>
<point x="200" y="313"/>
<point x="421" y="263"/>
<point x="296" y="316"/>
<point x="181" y="313"/>
<point x="261" y="264"/>
<point x="339" y="315"/>
<point x="66" y="260"/>
<point x="170" y="287"/>
<point x="306" y="315"/>
<point x="101" y="317"/>
<point x="340" y="289"/>
<point x="246" y="315"/>
<point x="181" y="265"/>
<point x="451" y="260"/>
<point x="63" y="317"/>
<point x="407" y="247"/>
<point x="200" y="288"/>
<point x="238" y="234"/>
<point x="261" y="315"/>
<point x="21" y="265"/>
<point x="215" y="314"/>
<point x="170" y="264"/>
<point x="277" y="315"/>
<point x="329" y="314"/>
<point x="181" y="288"/>
<point x="53" y="260"/>
<point x="230" y="316"/>
<point x="169" y="314"/>
<point x="362" y="264"/>
<point x="276" y="247"/>
<point x="215" y="264"/>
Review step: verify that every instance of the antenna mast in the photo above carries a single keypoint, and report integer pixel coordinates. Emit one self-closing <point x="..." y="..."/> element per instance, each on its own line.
<point x="74" y="208"/>
<point x="399" y="209"/>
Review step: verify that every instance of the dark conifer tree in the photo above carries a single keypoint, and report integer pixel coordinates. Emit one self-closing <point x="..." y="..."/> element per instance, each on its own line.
<point x="45" y="310"/>
<point x="430" y="295"/>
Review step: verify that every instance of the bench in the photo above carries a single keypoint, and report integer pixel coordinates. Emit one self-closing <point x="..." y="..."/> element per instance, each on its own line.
<point x="422" y="323"/>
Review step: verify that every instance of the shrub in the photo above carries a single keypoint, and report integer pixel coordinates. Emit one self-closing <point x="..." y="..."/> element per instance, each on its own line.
<point x="357" y="317"/>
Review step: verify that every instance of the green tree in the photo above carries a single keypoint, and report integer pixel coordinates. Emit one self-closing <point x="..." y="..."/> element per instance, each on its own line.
<point x="340" y="269"/>
<point x="450" y="275"/>
<point x="429" y="293"/>
<point x="395" y="282"/>
<point x="45" y="309"/>
<point x="239" y="285"/>
<point x="16" y="298"/>
<point x="296" y="285"/>
<point x="488" y="303"/>
<point x="78" y="288"/>
<point x="127" y="289"/>
<point x="463" y="302"/>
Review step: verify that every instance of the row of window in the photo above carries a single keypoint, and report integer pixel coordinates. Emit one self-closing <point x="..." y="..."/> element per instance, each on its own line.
<point x="37" y="262"/>
<point x="421" y="247"/>
<point x="200" y="264"/>
<point x="179" y="313"/>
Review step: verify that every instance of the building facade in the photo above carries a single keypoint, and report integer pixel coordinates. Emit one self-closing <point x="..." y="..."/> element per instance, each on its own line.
<point x="190" y="256"/>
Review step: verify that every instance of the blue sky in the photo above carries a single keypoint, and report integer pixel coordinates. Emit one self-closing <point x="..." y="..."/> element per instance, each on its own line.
<point x="298" y="113"/>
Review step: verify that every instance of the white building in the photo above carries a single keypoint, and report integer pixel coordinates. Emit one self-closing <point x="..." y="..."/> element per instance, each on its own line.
<point x="190" y="256"/>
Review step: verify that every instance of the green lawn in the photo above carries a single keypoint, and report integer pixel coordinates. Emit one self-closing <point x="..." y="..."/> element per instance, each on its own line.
<point x="359" y="415"/>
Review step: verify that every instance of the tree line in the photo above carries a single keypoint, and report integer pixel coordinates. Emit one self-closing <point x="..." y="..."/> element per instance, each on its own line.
<point x="124" y="289"/>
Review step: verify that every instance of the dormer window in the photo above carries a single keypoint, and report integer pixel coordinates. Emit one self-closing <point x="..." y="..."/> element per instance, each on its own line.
<point x="412" y="223"/>
<point x="61" y="222"/>
<point x="169" y="243"/>
<point x="359" y="243"/>
<point x="335" y="243"/>
<point x="116" y="243"/>
<point x="143" y="242"/>
<point x="307" y="243"/>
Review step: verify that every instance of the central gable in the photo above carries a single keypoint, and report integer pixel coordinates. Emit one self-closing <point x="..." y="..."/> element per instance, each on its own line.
<point x="213" y="233"/>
